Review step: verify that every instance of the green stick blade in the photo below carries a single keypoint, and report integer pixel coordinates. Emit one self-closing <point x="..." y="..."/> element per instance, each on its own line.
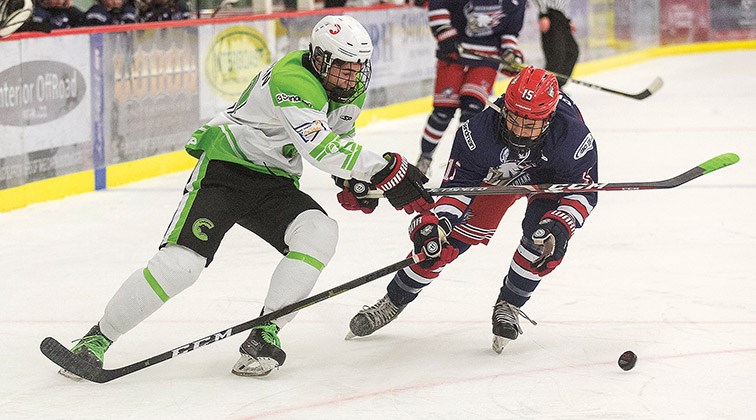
<point x="719" y="162"/>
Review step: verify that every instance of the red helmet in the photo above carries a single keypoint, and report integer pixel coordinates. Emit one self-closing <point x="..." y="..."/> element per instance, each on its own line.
<point x="533" y="94"/>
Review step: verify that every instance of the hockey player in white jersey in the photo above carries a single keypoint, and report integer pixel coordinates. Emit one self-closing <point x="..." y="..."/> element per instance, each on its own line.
<point x="303" y="107"/>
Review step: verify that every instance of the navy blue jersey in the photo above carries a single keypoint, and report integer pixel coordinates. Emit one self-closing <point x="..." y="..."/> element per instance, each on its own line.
<point x="567" y="155"/>
<point x="58" y="18"/>
<point x="481" y="26"/>
<point x="172" y="10"/>
<point x="99" y="15"/>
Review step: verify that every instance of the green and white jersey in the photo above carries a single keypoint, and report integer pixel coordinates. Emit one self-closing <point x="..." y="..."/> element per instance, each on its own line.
<point x="285" y="115"/>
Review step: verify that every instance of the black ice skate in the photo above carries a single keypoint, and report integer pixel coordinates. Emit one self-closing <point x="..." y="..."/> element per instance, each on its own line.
<point x="506" y="324"/>
<point x="371" y="318"/>
<point x="91" y="348"/>
<point x="260" y="353"/>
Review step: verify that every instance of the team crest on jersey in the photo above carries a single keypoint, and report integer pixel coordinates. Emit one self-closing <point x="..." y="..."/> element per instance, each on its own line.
<point x="585" y="147"/>
<point x="309" y="132"/>
<point x="481" y="20"/>
<point x="509" y="173"/>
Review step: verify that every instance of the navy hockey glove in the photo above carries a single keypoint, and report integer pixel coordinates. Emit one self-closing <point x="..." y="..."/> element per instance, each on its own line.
<point x="448" y="51"/>
<point x="402" y="183"/>
<point x="352" y="191"/>
<point x="553" y="233"/>
<point x="428" y="233"/>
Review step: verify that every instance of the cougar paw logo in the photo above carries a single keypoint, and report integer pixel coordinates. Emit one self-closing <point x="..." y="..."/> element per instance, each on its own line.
<point x="197" y="228"/>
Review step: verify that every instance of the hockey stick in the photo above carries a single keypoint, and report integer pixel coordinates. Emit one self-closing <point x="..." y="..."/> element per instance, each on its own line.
<point x="223" y="5"/>
<point x="709" y="166"/>
<point x="63" y="357"/>
<point x="655" y="85"/>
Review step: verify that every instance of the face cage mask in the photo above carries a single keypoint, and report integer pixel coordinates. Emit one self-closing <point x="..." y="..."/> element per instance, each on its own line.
<point x="523" y="145"/>
<point x="335" y="93"/>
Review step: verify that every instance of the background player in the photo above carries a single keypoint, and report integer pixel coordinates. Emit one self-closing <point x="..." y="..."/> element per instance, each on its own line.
<point x="538" y="137"/>
<point x="464" y="81"/>
<point x="559" y="46"/>
<point x="249" y="164"/>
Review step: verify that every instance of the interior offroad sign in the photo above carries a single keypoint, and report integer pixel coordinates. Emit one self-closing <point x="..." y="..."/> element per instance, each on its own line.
<point x="39" y="91"/>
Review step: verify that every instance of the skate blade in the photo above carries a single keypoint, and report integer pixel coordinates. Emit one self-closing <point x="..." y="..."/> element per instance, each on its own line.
<point x="499" y="343"/>
<point x="350" y="335"/>
<point x="70" y="375"/>
<point x="254" y="366"/>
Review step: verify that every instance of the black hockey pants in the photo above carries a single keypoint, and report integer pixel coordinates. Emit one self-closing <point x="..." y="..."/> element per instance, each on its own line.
<point x="559" y="46"/>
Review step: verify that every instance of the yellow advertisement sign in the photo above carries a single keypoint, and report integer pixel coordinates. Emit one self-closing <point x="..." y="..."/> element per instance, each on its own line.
<point x="235" y="56"/>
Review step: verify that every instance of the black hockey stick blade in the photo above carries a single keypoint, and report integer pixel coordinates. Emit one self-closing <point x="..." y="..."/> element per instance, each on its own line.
<point x="655" y="85"/>
<point x="709" y="166"/>
<point x="652" y="88"/>
<point x="61" y="356"/>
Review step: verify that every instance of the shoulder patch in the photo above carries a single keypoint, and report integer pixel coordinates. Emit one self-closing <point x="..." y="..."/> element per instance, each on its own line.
<point x="309" y="131"/>
<point x="585" y="147"/>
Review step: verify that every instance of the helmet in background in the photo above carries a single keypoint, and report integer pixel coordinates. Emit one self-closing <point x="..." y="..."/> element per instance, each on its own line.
<point x="336" y="40"/>
<point x="530" y="101"/>
<point x="13" y="13"/>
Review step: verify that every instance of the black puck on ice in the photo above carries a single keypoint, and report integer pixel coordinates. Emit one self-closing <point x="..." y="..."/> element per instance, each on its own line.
<point x="627" y="360"/>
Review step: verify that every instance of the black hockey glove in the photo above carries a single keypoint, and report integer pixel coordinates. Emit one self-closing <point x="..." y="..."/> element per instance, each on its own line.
<point x="553" y="233"/>
<point x="511" y="60"/>
<point x="402" y="183"/>
<point x="352" y="191"/>
<point x="448" y="51"/>
<point x="428" y="234"/>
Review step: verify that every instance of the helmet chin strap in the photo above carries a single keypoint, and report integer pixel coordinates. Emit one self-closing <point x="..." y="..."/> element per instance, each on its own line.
<point x="493" y="105"/>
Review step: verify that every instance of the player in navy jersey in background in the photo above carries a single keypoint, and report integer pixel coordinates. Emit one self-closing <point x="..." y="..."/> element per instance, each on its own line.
<point x="162" y="10"/>
<point x="538" y="136"/>
<point x="111" y="12"/>
<point x="464" y="80"/>
<point x="53" y="14"/>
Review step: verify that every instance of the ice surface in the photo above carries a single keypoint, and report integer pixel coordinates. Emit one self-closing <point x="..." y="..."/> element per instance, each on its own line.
<point x="668" y="274"/>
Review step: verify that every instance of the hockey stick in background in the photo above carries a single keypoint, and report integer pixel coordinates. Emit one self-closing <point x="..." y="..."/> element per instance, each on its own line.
<point x="655" y="85"/>
<point x="223" y="5"/>
<point x="709" y="166"/>
<point x="61" y="356"/>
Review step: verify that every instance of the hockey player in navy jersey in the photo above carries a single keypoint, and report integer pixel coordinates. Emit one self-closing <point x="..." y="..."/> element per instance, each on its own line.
<point x="538" y="136"/>
<point x="464" y="81"/>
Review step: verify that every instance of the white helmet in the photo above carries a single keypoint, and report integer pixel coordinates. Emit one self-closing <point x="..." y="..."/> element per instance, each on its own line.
<point x="341" y="38"/>
<point x="13" y="13"/>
